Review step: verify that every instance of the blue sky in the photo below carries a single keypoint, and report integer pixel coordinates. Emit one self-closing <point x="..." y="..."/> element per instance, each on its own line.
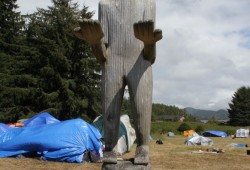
<point x="204" y="56"/>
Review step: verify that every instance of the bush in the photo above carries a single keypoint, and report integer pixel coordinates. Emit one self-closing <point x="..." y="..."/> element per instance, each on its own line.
<point x="199" y="129"/>
<point x="183" y="127"/>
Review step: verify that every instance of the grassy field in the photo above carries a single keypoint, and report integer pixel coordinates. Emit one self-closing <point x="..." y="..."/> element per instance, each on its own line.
<point x="162" y="126"/>
<point x="173" y="154"/>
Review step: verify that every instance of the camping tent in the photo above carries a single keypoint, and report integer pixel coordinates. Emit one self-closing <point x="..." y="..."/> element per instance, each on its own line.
<point x="170" y="134"/>
<point x="214" y="133"/>
<point x="60" y="141"/>
<point x="126" y="136"/>
<point x="242" y="133"/>
<point x="187" y="133"/>
<point x="195" y="139"/>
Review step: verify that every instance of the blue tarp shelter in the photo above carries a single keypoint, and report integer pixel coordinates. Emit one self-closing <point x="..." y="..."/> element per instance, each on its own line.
<point x="4" y="128"/>
<point x="214" y="133"/>
<point x="40" y="119"/>
<point x="59" y="141"/>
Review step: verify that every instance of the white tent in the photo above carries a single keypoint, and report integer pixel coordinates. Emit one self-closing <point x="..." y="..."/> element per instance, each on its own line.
<point x="242" y="133"/>
<point x="198" y="140"/>
<point x="126" y="135"/>
<point x="126" y="141"/>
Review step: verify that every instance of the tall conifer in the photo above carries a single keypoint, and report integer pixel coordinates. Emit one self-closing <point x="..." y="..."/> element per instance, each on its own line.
<point x="58" y="73"/>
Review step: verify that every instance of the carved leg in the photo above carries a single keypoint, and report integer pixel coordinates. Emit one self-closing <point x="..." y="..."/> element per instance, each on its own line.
<point x="113" y="92"/>
<point x="140" y="88"/>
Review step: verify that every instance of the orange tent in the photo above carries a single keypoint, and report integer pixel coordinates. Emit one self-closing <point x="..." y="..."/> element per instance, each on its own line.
<point x="187" y="133"/>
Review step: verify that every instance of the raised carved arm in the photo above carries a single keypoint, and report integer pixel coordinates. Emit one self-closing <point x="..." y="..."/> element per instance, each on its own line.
<point x="91" y="32"/>
<point x="144" y="31"/>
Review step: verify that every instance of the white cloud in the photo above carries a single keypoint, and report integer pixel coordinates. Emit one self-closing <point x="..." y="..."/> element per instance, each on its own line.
<point x="203" y="57"/>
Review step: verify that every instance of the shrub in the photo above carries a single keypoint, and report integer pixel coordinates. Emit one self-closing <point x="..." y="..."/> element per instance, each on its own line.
<point x="199" y="129"/>
<point x="183" y="127"/>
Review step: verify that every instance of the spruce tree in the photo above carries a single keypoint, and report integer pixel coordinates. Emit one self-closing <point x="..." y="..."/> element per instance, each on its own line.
<point x="66" y="70"/>
<point x="239" y="108"/>
<point x="14" y="56"/>
<point x="45" y="67"/>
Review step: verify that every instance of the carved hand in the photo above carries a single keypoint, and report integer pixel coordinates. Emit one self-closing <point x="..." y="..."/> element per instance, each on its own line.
<point x="144" y="31"/>
<point x="89" y="31"/>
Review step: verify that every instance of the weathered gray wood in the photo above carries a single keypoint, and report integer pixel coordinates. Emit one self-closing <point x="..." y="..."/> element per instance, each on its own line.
<point x="126" y="58"/>
<point x="125" y="165"/>
<point x="91" y="32"/>
<point x="144" y="31"/>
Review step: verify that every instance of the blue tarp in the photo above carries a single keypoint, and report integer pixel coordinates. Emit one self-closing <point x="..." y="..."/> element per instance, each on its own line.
<point x="4" y="128"/>
<point x="238" y="145"/>
<point x="40" y="119"/>
<point x="60" y="141"/>
<point x="214" y="133"/>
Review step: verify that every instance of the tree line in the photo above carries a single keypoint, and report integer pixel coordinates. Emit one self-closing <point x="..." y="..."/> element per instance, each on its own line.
<point x="159" y="111"/>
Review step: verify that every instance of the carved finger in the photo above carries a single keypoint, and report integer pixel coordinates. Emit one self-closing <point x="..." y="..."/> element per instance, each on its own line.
<point x="98" y="29"/>
<point x="83" y="23"/>
<point x="158" y="34"/>
<point x="148" y="31"/>
<point x="136" y="30"/>
<point x="78" y="33"/>
<point x="149" y="28"/>
<point x="143" y="28"/>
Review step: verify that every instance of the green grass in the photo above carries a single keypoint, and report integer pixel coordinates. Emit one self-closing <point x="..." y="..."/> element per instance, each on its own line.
<point x="172" y="154"/>
<point x="161" y="127"/>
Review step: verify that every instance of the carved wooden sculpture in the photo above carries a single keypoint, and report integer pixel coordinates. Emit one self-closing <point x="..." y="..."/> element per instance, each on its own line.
<point x="124" y="42"/>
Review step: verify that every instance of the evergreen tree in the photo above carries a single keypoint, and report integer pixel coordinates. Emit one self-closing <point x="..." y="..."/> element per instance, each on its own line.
<point x="67" y="72"/>
<point x="239" y="112"/>
<point x="55" y="72"/>
<point x="13" y="62"/>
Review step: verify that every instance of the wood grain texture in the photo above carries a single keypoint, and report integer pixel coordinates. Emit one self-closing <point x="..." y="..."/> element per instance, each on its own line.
<point x="125" y="65"/>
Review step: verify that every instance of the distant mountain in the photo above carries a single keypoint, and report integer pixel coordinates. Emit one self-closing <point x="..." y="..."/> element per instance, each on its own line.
<point x="207" y="114"/>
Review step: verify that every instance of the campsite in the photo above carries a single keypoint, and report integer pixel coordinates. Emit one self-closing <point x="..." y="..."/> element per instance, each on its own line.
<point x="173" y="153"/>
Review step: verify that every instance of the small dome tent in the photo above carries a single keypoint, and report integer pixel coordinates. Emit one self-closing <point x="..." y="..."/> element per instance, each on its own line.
<point x="242" y="133"/>
<point x="170" y="134"/>
<point x="126" y="136"/>
<point x="198" y="140"/>
<point x="187" y="133"/>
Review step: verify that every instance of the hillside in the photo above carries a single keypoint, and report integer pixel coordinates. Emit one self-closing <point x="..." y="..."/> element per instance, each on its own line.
<point x="207" y="114"/>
